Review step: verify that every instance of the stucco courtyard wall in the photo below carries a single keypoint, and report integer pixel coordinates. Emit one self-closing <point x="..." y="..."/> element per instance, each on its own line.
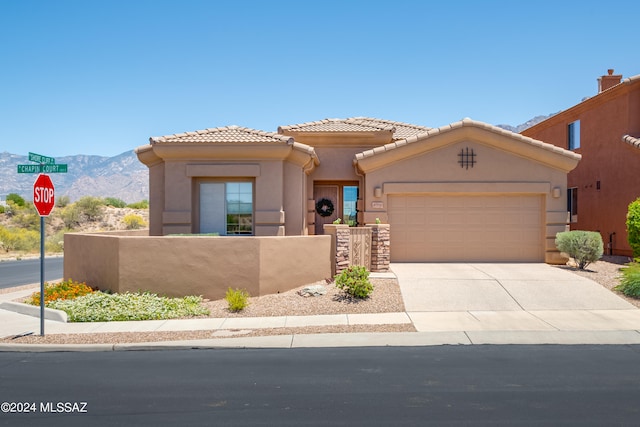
<point x="195" y="265"/>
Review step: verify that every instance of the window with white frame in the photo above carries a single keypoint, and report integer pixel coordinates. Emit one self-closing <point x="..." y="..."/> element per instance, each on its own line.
<point x="573" y="135"/>
<point x="226" y="208"/>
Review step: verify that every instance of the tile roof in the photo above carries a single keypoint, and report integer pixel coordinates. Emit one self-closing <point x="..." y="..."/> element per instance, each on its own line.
<point x="222" y="135"/>
<point x="635" y="142"/>
<point x="357" y="124"/>
<point x="462" y="123"/>
<point x="401" y="130"/>
<point x="333" y="125"/>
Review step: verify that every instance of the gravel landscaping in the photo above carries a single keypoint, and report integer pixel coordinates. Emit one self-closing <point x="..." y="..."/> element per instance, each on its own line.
<point x="386" y="297"/>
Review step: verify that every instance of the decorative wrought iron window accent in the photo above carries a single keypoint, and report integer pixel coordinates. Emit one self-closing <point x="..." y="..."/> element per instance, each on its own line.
<point x="467" y="158"/>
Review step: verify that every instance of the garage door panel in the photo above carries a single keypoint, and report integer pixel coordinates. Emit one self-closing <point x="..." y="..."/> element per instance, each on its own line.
<point x="466" y="228"/>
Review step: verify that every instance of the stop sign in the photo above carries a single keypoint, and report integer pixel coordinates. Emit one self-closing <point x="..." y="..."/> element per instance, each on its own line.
<point x="43" y="195"/>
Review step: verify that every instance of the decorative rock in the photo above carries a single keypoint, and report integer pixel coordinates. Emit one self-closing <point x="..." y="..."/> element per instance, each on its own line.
<point x="313" y="291"/>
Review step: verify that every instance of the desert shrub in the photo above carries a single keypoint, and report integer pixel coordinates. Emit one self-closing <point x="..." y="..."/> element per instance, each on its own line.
<point x="633" y="226"/>
<point x="237" y="299"/>
<point x="7" y="239"/>
<point x="19" y="239"/>
<point x="354" y="281"/>
<point x="91" y="208"/>
<point x="55" y="242"/>
<point x="133" y="222"/>
<point x="143" y="204"/>
<point x="27" y="218"/>
<point x="103" y="307"/>
<point x="1" y="209"/>
<point x="17" y="199"/>
<point x="630" y="282"/>
<point x="65" y="290"/>
<point x="62" y="201"/>
<point x="584" y="247"/>
<point x="115" y="202"/>
<point x="70" y="216"/>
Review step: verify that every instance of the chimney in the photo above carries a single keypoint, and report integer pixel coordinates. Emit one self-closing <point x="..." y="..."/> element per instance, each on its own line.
<point x="609" y="81"/>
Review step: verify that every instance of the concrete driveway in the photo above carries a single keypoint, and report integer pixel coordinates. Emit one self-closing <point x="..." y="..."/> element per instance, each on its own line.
<point x="451" y="287"/>
<point x="514" y="304"/>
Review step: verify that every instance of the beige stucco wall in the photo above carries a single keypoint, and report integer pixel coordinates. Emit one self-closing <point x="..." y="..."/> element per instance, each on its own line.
<point x="196" y="265"/>
<point x="177" y="169"/>
<point x="495" y="172"/>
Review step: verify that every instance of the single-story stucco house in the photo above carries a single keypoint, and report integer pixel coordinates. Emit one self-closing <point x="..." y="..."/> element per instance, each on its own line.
<point x="467" y="191"/>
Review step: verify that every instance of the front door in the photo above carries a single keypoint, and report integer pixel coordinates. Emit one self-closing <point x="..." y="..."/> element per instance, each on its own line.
<point x="327" y="205"/>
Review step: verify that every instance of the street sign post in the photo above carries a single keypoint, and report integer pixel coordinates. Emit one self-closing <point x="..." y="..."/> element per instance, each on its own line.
<point x="43" y="200"/>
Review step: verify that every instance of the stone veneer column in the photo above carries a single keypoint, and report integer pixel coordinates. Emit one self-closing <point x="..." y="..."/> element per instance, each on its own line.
<point x="340" y="240"/>
<point x="380" y="247"/>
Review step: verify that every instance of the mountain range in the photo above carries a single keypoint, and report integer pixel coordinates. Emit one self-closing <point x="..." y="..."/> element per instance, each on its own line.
<point x="122" y="176"/>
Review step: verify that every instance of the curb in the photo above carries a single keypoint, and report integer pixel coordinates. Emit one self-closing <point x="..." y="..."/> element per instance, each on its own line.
<point x="382" y="339"/>
<point x="32" y="310"/>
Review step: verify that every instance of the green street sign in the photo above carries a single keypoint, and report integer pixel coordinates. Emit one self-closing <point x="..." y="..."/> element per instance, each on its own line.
<point x="28" y="168"/>
<point x="39" y="158"/>
<point x="62" y="168"/>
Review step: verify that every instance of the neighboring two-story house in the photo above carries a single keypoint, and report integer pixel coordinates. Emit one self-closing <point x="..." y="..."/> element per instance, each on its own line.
<point x="605" y="129"/>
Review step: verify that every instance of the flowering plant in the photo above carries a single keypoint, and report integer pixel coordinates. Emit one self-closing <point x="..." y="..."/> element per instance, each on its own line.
<point x="67" y="289"/>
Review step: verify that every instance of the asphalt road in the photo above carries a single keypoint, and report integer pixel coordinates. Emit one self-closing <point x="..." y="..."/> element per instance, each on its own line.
<point x="27" y="271"/>
<point x="391" y="386"/>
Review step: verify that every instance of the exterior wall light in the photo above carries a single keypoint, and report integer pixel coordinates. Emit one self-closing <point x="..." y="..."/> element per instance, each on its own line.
<point x="556" y="192"/>
<point x="377" y="192"/>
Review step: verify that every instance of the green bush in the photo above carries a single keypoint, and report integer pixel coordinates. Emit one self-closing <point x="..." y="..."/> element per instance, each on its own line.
<point x="91" y="207"/>
<point x="55" y="242"/>
<point x="27" y="217"/>
<point x="1" y="209"/>
<point x="115" y="202"/>
<point x="144" y="204"/>
<point x="103" y="307"/>
<point x="633" y="226"/>
<point x="630" y="282"/>
<point x="584" y="247"/>
<point x="134" y="222"/>
<point x="17" y="199"/>
<point x="62" y="201"/>
<point x="354" y="281"/>
<point x="70" y="216"/>
<point x="19" y="239"/>
<point x="237" y="299"/>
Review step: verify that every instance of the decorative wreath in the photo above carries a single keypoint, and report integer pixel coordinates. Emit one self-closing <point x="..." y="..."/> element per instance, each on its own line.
<point x="324" y="207"/>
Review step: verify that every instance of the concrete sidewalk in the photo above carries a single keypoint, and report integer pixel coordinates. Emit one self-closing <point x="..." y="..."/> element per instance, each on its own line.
<point x="447" y="303"/>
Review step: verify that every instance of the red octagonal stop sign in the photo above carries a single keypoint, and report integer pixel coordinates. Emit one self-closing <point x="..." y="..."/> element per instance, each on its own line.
<point x="43" y="195"/>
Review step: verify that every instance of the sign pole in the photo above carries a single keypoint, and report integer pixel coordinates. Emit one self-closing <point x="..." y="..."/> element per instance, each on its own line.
<point x="42" y="276"/>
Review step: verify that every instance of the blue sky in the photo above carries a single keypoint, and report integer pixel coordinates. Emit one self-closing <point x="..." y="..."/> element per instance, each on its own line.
<point x="101" y="77"/>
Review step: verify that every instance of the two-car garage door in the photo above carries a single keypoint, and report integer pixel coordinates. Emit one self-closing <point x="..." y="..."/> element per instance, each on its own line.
<point x="452" y="228"/>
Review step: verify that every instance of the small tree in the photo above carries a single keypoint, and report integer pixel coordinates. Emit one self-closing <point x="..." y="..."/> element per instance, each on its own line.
<point x="633" y="226"/>
<point x="584" y="247"/>
<point x="16" y="198"/>
<point x="90" y="207"/>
